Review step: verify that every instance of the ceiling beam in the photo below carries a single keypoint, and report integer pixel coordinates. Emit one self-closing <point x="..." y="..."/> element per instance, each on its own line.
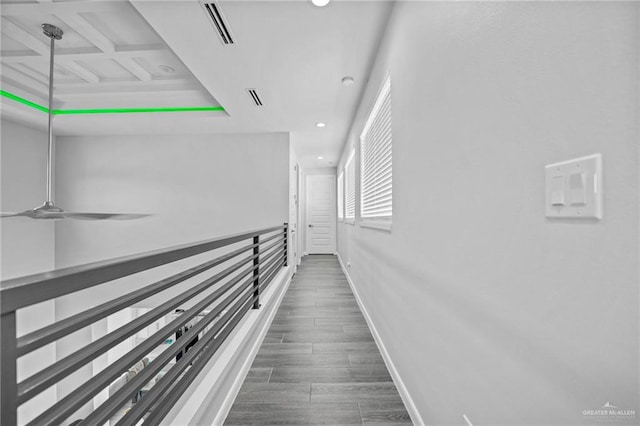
<point x="88" y="31"/>
<point x="25" y="80"/>
<point x="134" y="68"/>
<point x="149" y="97"/>
<point x="79" y="70"/>
<point x="20" y="35"/>
<point x="147" y="51"/>
<point x="189" y="83"/>
<point x="30" y="72"/>
<point x="59" y="8"/>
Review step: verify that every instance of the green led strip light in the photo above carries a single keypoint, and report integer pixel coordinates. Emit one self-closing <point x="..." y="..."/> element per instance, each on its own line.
<point x="133" y="110"/>
<point x="23" y="101"/>
<point x="106" y="110"/>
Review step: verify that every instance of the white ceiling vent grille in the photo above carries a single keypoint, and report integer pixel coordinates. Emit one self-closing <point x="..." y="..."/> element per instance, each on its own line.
<point x="254" y="97"/>
<point x="219" y="22"/>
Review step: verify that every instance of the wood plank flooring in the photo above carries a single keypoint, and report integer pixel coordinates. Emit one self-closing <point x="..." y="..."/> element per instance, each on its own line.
<point x="318" y="363"/>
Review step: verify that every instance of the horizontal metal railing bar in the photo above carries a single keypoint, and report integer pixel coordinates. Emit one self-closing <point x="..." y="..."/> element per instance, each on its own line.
<point x="265" y="257"/>
<point x="140" y="409"/>
<point x="271" y="262"/>
<point x="40" y="381"/>
<point x="39" y="338"/>
<point x="25" y="291"/>
<point x="266" y="278"/>
<point x="267" y="263"/>
<point x="279" y="239"/>
<point x="269" y="275"/>
<point x="45" y="335"/>
<point x="209" y="347"/>
<point x="169" y="399"/>
<point x="263" y="250"/>
<point x="264" y="240"/>
<point x="114" y="403"/>
<point x="69" y="404"/>
<point x="106" y="410"/>
<point x="268" y="251"/>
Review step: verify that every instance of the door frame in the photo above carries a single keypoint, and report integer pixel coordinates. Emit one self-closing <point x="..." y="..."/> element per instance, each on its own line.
<point x="307" y="209"/>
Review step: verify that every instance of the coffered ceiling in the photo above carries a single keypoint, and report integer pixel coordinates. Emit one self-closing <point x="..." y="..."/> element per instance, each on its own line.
<point x="109" y="57"/>
<point x="118" y="56"/>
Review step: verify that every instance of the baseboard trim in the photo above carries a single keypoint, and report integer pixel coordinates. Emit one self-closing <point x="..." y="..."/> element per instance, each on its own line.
<point x="416" y="418"/>
<point x="209" y="401"/>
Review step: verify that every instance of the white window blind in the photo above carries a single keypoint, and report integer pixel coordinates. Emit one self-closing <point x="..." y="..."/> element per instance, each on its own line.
<point x="341" y="196"/>
<point x="350" y="191"/>
<point x="376" y="183"/>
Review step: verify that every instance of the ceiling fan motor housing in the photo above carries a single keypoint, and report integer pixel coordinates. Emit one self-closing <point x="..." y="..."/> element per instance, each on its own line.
<point x="52" y="31"/>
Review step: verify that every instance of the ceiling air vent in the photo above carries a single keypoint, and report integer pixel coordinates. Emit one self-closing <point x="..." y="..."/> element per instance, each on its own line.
<point x="254" y="97"/>
<point x="219" y="23"/>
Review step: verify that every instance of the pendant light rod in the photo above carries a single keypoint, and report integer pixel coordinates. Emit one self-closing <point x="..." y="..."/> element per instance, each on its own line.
<point x="48" y="210"/>
<point x="54" y="33"/>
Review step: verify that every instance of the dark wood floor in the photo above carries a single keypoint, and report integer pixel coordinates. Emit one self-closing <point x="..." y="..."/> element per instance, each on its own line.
<point x="318" y="363"/>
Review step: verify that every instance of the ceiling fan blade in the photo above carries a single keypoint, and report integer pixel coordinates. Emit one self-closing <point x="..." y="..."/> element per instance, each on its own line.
<point x="49" y="211"/>
<point x="11" y="214"/>
<point x="102" y="216"/>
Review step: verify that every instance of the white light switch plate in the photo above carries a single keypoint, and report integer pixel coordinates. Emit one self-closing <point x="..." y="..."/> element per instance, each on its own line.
<point x="573" y="189"/>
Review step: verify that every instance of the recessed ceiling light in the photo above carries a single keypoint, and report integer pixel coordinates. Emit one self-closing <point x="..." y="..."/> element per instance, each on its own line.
<point x="347" y="81"/>
<point x="166" y="69"/>
<point x="320" y="3"/>
<point x="320" y="124"/>
<point x="321" y="158"/>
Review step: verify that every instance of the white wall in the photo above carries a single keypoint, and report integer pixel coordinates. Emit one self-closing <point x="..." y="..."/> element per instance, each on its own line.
<point x="27" y="246"/>
<point x="196" y="187"/>
<point x="485" y="307"/>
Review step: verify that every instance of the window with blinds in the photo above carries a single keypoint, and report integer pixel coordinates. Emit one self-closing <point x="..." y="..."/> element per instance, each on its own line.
<point x="350" y="191"/>
<point x="340" y="193"/>
<point x="376" y="186"/>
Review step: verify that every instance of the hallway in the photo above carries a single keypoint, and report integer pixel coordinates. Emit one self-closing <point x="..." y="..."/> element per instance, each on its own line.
<point x="318" y="363"/>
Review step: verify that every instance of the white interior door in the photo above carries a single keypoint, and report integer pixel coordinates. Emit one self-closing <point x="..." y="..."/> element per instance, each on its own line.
<point x="321" y="214"/>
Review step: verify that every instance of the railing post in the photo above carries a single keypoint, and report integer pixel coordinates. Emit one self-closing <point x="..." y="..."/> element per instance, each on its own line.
<point x="256" y="272"/>
<point x="286" y="243"/>
<point x="8" y="375"/>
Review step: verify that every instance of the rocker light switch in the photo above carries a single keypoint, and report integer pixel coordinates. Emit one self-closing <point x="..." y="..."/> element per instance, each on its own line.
<point x="578" y="189"/>
<point x="557" y="191"/>
<point x="574" y="188"/>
